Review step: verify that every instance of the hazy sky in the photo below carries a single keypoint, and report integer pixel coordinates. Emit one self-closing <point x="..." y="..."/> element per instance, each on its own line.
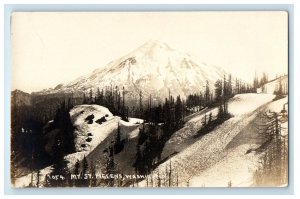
<point x="52" y="48"/>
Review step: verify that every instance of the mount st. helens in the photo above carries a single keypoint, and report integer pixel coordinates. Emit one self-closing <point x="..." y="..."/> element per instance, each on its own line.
<point x="153" y="68"/>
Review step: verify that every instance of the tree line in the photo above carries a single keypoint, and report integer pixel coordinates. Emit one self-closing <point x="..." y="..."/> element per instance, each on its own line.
<point x="273" y="167"/>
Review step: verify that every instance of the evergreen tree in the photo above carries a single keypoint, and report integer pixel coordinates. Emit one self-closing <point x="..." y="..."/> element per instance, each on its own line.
<point x="210" y="118"/>
<point x="63" y="122"/>
<point x="91" y="96"/>
<point x="218" y="91"/>
<point x="77" y="167"/>
<point x="237" y="86"/>
<point x="158" y="114"/>
<point x="225" y="95"/>
<point x="178" y="113"/>
<point x="118" y="144"/>
<point x="85" y="166"/>
<point x="204" y="121"/>
<point x="77" y="181"/>
<point x="84" y="181"/>
<point x="93" y="180"/>
<point x="60" y="165"/>
<point x="167" y="117"/>
<point x="139" y="164"/>
<point x="84" y="98"/>
<point x="207" y="94"/>
<point x="255" y="82"/>
<point x="38" y="175"/>
<point x="170" y="174"/>
<point x="110" y="166"/>
<point x="123" y="103"/>
<point x="141" y="104"/>
<point x="98" y="97"/>
<point x="230" y="90"/>
<point x="220" y="111"/>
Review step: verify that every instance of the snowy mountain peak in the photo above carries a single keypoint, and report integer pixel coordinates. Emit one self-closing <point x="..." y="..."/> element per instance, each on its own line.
<point x="155" y="52"/>
<point x="155" y="44"/>
<point x="152" y="68"/>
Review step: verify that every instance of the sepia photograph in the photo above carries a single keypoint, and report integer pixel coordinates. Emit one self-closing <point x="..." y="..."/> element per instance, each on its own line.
<point x="149" y="99"/>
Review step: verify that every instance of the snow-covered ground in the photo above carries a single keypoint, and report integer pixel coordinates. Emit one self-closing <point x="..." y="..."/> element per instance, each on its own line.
<point x="246" y="103"/>
<point x="273" y="85"/>
<point x="222" y="157"/>
<point x="89" y="133"/>
<point x="239" y="105"/>
<point x="277" y="105"/>
<point x="132" y="122"/>
<point x="207" y="161"/>
<point x="236" y="168"/>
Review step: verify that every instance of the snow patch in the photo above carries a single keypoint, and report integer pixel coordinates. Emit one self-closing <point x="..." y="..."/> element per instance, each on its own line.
<point x="245" y="103"/>
<point x="236" y="169"/>
<point x="131" y="122"/>
<point x="277" y="105"/>
<point x="96" y="131"/>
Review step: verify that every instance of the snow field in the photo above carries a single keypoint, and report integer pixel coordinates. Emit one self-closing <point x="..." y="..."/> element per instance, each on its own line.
<point x="200" y="163"/>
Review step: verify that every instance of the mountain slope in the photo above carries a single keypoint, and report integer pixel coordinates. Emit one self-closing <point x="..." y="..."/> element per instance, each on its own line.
<point x="20" y="98"/>
<point x="212" y="160"/>
<point x="153" y="68"/>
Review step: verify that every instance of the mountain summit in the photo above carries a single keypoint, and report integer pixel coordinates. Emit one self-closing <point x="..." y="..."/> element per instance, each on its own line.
<point x="153" y="68"/>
